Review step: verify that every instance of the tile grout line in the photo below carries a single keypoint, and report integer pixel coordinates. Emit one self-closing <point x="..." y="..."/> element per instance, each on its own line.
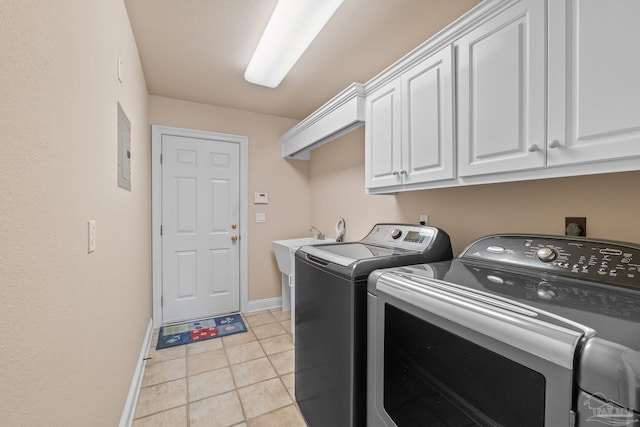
<point x="278" y="376"/>
<point x="151" y="344"/>
<point x="233" y="378"/>
<point x="268" y="360"/>
<point x="225" y="348"/>
<point x="186" y="374"/>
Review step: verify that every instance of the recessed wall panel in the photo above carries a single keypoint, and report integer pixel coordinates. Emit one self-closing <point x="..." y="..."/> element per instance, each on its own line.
<point x="606" y="73"/>
<point x="382" y="122"/>
<point x="219" y="273"/>
<point x="498" y="82"/>
<point x="219" y="212"/>
<point x="219" y="160"/>
<point x="425" y="129"/>
<point x="187" y="157"/>
<point x="186" y="207"/>
<point x="187" y="262"/>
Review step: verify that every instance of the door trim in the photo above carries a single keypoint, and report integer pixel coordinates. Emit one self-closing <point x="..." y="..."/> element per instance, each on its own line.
<point x="156" y="209"/>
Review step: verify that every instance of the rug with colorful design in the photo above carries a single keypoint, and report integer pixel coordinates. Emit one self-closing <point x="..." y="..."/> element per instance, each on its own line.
<point x="200" y="330"/>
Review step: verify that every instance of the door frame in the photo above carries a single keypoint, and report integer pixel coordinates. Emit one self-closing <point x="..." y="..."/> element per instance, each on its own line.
<point x="156" y="209"/>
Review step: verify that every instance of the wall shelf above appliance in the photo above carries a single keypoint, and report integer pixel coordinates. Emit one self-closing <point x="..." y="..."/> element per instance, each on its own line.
<point x="339" y="116"/>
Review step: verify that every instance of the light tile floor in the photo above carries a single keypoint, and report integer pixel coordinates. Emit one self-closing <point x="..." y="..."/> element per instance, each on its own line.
<point x="243" y="380"/>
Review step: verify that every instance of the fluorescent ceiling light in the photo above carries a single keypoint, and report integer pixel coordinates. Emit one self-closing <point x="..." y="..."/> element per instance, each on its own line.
<point x="291" y="29"/>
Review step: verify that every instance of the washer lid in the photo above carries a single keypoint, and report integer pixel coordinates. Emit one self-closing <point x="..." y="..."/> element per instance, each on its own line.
<point x="345" y="254"/>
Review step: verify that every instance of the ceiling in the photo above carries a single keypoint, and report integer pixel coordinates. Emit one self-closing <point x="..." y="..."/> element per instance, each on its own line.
<point x="197" y="50"/>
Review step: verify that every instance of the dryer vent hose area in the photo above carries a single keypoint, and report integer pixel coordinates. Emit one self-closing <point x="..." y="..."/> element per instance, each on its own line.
<point x="341" y="226"/>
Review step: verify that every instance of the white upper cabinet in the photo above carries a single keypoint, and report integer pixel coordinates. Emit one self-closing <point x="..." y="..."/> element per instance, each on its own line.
<point x="383" y="153"/>
<point x="501" y="92"/>
<point x="594" y="81"/>
<point x="427" y="120"/>
<point x="409" y="126"/>
<point x="513" y="90"/>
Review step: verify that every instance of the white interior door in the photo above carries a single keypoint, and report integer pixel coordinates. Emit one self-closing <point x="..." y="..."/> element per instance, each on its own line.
<point x="200" y="227"/>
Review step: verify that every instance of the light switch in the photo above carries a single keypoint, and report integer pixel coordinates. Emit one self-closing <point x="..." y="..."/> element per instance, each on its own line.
<point x="261" y="217"/>
<point x="92" y="235"/>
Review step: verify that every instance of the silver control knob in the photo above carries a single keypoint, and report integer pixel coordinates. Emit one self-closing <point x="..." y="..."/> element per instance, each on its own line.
<point x="396" y="233"/>
<point x="546" y="254"/>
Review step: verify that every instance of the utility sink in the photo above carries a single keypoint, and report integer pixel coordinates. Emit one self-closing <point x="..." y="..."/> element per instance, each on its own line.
<point x="285" y="255"/>
<point x="285" y="249"/>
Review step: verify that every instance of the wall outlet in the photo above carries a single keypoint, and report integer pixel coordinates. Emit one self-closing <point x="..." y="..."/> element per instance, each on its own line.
<point x="575" y="226"/>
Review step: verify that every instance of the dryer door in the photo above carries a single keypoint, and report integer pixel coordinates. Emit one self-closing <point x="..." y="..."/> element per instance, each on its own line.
<point x="447" y="354"/>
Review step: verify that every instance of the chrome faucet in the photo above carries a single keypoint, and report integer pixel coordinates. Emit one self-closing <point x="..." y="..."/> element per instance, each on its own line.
<point x="319" y="236"/>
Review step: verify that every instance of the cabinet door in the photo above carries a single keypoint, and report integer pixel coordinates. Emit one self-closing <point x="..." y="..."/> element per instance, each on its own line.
<point x="501" y="92"/>
<point x="382" y="137"/>
<point x="594" y="80"/>
<point x="427" y="120"/>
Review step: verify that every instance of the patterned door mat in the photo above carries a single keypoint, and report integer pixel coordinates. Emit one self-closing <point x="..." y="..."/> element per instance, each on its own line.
<point x="200" y="330"/>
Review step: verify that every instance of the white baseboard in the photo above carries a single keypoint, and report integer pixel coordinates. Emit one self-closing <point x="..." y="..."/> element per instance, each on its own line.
<point x="265" y="304"/>
<point x="134" y="390"/>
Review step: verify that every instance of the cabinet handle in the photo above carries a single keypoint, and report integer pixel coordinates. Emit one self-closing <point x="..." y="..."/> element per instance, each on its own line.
<point x="396" y="173"/>
<point x="532" y="148"/>
<point x="553" y="143"/>
<point x="403" y="172"/>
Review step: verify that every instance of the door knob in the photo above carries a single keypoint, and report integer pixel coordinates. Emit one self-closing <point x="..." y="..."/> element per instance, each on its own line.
<point x="234" y="226"/>
<point x="234" y="237"/>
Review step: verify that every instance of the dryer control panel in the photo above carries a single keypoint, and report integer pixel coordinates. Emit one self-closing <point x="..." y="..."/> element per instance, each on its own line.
<point x="596" y="260"/>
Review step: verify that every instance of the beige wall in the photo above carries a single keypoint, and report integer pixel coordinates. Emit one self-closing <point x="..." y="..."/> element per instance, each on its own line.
<point x="466" y="213"/>
<point x="286" y="181"/>
<point x="72" y="323"/>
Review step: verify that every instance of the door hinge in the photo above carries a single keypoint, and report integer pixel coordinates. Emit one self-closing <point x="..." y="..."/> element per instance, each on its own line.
<point x="161" y="230"/>
<point x="160" y="158"/>
<point x="161" y="300"/>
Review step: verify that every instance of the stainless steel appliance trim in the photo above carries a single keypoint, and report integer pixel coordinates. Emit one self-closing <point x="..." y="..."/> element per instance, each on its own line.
<point x="497" y="301"/>
<point x="613" y="372"/>
<point x="559" y="379"/>
<point x="516" y="325"/>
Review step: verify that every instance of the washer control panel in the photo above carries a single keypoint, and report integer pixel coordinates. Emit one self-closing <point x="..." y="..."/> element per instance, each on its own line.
<point x="597" y="260"/>
<point x="531" y="288"/>
<point x="401" y="236"/>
